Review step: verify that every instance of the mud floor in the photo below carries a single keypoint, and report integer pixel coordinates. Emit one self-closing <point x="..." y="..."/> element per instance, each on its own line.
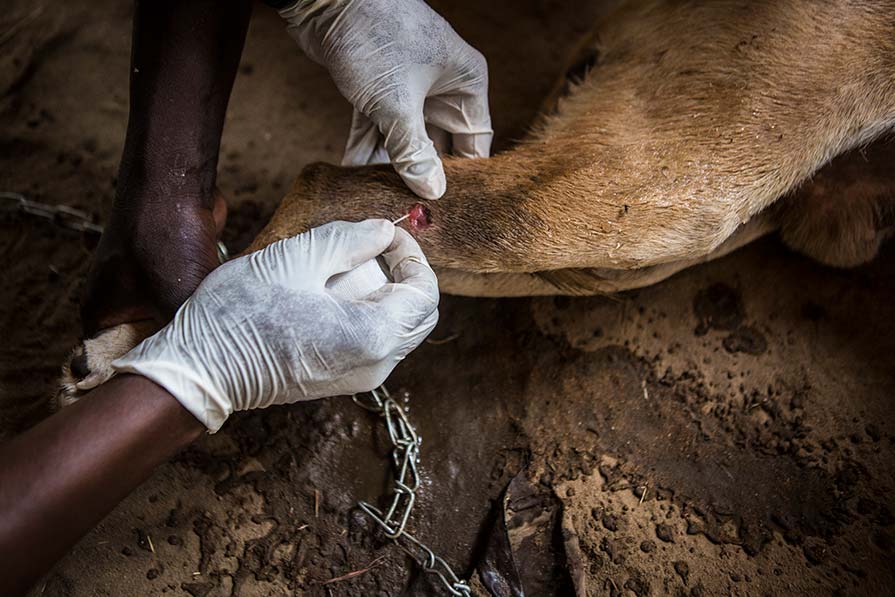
<point x="726" y="432"/>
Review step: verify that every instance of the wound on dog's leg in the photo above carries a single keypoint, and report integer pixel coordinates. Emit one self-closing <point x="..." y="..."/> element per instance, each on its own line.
<point x="419" y="217"/>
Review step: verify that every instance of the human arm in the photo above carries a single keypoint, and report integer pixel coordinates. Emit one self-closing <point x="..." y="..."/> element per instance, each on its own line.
<point x="288" y="323"/>
<point x="61" y="477"/>
<point x="160" y="235"/>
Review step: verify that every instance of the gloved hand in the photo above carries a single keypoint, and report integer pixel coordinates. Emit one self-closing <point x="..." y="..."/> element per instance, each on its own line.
<point x="402" y="67"/>
<point x="270" y="328"/>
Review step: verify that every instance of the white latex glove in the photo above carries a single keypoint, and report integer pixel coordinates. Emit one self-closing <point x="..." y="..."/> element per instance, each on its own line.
<point x="402" y="67"/>
<point x="279" y="326"/>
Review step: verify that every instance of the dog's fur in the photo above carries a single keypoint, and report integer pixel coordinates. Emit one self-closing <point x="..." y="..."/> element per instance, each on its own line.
<point x="695" y="118"/>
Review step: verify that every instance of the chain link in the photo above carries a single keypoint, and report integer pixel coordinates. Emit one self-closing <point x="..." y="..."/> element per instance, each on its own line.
<point x="67" y="217"/>
<point x="61" y="215"/>
<point x="405" y="458"/>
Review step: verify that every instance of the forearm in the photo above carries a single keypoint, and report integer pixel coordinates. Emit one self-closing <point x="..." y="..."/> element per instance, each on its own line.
<point x="184" y="61"/>
<point x="159" y="238"/>
<point x="60" y="478"/>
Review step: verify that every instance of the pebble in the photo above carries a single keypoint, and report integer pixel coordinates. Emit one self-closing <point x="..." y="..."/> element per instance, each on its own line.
<point x="664" y="532"/>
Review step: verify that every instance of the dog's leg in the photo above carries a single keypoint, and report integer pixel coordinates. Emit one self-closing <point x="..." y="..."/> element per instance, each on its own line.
<point x="591" y="281"/>
<point x="90" y="363"/>
<point x="842" y="216"/>
<point x="692" y="122"/>
<point x="839" y="217"/>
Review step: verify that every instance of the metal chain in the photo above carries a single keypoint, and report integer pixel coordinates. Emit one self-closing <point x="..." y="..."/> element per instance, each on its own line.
<point x="61" y="215"/>
<point x="67" y="217"/>
<point x="405" y="457"/>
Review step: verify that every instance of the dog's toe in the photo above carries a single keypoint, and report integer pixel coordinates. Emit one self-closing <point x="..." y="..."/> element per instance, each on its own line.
<point x="78" y="365"/>
<point x="90" y="363"/>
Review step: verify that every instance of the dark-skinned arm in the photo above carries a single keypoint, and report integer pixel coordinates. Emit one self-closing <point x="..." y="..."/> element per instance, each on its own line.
<point x="60" y="478"/>
<point x="159" y="239"/>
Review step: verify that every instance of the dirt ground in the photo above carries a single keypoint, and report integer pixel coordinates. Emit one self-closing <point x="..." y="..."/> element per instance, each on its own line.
<point x="728" y="431"/>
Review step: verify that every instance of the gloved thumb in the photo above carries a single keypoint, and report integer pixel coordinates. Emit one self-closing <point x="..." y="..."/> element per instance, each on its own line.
<point x="313" y="257"/>
<point x="412" y="153"/>
<point x="342" y="246"/>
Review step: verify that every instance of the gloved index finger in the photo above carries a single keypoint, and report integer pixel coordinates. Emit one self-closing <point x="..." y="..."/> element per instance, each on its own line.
<point x="465" y="115"/>
<point x="411" y="152"/>
<point x="310" y="259"/>
<point x="403" y="248"/>
<point x="415" y="286"/>
<point x="342" y="246"/>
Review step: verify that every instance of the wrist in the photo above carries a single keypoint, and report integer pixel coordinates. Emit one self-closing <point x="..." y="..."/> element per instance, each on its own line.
<point x="159" y="361"/>
<point x="183" y="428"/>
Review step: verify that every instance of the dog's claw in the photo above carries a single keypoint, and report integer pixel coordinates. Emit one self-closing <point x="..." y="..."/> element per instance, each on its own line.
<point x="90" y="363"/>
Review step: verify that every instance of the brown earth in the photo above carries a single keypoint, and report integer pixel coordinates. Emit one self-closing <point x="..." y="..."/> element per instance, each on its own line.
<point x="725" y="432"/>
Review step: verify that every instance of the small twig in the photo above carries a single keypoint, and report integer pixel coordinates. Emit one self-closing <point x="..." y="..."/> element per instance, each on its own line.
<point x="302" y="527"/>
<point x="350" y="575"/>
<point x="643" y="495"/>
<point x="401" y="219"/>
<point x="645" y="391"/>
<point x="316" y="504"/>
<point x="444" y="340"/>
<point x="149" y="540"/>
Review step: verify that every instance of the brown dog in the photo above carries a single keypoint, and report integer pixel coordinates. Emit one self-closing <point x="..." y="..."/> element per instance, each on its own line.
<point x="698" y="128"/>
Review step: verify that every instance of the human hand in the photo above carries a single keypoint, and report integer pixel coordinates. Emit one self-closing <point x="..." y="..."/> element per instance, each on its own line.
<point x="402" y="67"/>
<point x="281" y="325"/>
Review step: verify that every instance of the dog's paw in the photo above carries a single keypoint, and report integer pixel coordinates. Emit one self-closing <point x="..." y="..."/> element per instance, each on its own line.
<point x="90" y="363"/>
